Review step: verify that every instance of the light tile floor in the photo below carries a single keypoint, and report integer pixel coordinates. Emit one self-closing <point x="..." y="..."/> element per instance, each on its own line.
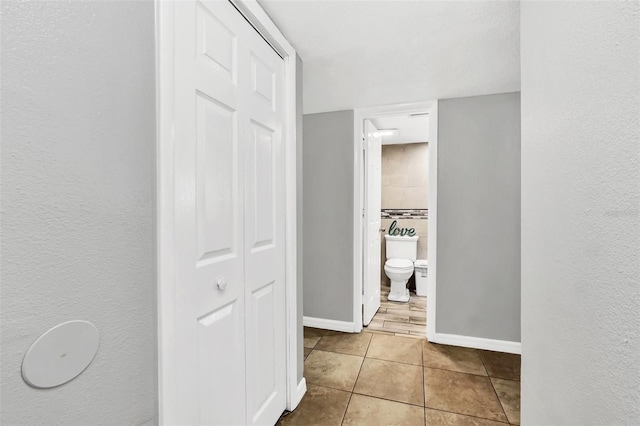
<point x="400" y="319"/>
<point x="383" y="377"/>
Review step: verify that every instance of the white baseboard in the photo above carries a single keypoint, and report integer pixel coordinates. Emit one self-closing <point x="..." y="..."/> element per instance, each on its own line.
<point x="328" y="324"/>
<point x="477" y="343"/>
<point x="299" y="393"/>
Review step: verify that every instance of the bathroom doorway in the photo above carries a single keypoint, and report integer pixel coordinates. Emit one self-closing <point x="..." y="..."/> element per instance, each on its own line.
<point x="395" y="195"/>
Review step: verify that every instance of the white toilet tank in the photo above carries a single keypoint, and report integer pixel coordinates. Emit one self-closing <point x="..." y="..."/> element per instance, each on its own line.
<point x="401" y="247"/>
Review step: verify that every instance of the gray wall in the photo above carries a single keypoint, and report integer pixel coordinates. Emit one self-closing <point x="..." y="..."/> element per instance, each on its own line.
<point x="328" y="215"/>
<point x="299" y="218"/>
<point x="78" y="204"/>
<point x="478" y="253"/>
<point x="580" y="213"/>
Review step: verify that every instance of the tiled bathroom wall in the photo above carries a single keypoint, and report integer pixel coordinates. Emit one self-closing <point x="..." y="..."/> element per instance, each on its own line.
<point x="405" y="193"/>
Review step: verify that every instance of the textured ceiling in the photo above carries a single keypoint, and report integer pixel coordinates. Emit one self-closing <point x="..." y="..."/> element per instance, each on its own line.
<point x="372" y="52"/>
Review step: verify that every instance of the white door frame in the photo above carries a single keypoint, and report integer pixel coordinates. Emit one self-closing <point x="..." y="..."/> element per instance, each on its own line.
<point x="167" y="370"/>
<point x="359" y="115"/>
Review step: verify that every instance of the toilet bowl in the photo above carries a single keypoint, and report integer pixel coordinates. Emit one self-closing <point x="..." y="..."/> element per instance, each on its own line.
<point x="401" y="253"/>
<point x="399" y="271"/>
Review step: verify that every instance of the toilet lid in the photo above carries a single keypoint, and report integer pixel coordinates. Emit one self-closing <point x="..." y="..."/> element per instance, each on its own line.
<point x="399" y="263"/>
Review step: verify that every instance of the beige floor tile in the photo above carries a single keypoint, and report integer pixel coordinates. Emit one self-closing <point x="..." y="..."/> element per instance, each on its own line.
<point x="393" y="317"/>
<point x="319" y="407"/>
<point x="395" y="306"/>
<point x="502" y="365"/>
<point x="420" y="320"/>
<point x="405" y="313"/>
<point x="406" y="326"/>
<point x="312" y="336"/>
<point x="345" y="343"/>
<point x="307" y="351"/>
<point x="331" y="369"/>
<point x="380" y="331"/>
<point x="443" y="418"/>
<point x="462" y="393"/>
<point x="414" y="335"/>
<point x="509" y="394"/>
<point x="388" y="326"/>
<point x="398" y="349"/>
<point x="368" y="411"/>
<point x="454" y="358"/>
<point x="391" y="380"/>
<point x="376" y="323"/>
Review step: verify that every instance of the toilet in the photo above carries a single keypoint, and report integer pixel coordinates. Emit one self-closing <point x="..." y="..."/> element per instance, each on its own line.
<point x="401" y="253"/>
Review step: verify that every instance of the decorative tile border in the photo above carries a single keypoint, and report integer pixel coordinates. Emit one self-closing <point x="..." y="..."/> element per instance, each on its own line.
<point x="404" y="213"/>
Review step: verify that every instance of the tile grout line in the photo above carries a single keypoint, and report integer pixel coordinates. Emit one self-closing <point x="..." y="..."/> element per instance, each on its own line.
<point x="456" y="371"/>
<point x="387" y="399"/>
<point x="493" y="387"/>
<point x="354" y="384"/>
<point x="466" y="415"/>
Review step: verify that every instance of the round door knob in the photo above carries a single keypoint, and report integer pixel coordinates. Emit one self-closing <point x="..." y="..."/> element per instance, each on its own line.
<point x="222" y="283"/>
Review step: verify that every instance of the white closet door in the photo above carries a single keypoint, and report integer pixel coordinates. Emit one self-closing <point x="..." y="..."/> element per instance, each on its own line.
<point x="229" y="300"/>
<point x="264" y="207"/>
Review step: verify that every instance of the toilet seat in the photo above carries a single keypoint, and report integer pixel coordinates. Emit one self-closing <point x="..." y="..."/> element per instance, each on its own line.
<point x="399" y="264"/>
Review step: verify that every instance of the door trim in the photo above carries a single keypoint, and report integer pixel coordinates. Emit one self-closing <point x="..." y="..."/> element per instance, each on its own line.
<point x="359" y="115"/>
<point x="167" y="368"/>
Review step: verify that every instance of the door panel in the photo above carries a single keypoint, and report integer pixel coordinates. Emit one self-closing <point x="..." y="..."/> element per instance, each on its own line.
<point x="264" y="236"/>
<point x="229" y="213"/>
<point x="373" y="201"/>
<point x="216" y="180"/>
<point x="221" y="325"/>
<point x="261" y="160"/>
<point x="216" y="43"/>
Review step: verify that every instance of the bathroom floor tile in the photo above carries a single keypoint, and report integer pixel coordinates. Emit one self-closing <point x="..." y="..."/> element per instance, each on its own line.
<point x="501" y="365"/>
<point x="394" y="306"/>
<point x="406" y="313"/>
<point x="346" y="343"/>
<point x="391" y="317"/>
<point x="398" y="349"/>
<point x="319" y="407"/>
<point x="312" y="336"/>
<point x="454" y="358"/>
<point x="406" y="327"/>
<point x="391" y="380"/>
<point x="462" y="393"/>
<point x="375" y="323"/>
<point x="381" y="331"/>
<point x="369" y="411"/>
<point x="414" y="335"/>
<point x="509" y="394"/>
<point x="388" y="326"/>
<point x="420" y="320"/>
<point x="443" y="418"/>
<point x="307" y="351"/>
<point x="331" y="369"/>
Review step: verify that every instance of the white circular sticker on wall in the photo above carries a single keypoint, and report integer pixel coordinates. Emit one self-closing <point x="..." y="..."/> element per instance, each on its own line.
<point x="60" y="354"/>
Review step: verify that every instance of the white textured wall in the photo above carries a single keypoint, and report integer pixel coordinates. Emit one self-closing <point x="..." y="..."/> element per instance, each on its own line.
<point x="78" y="204"/>
<point x="580" y="213"/>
